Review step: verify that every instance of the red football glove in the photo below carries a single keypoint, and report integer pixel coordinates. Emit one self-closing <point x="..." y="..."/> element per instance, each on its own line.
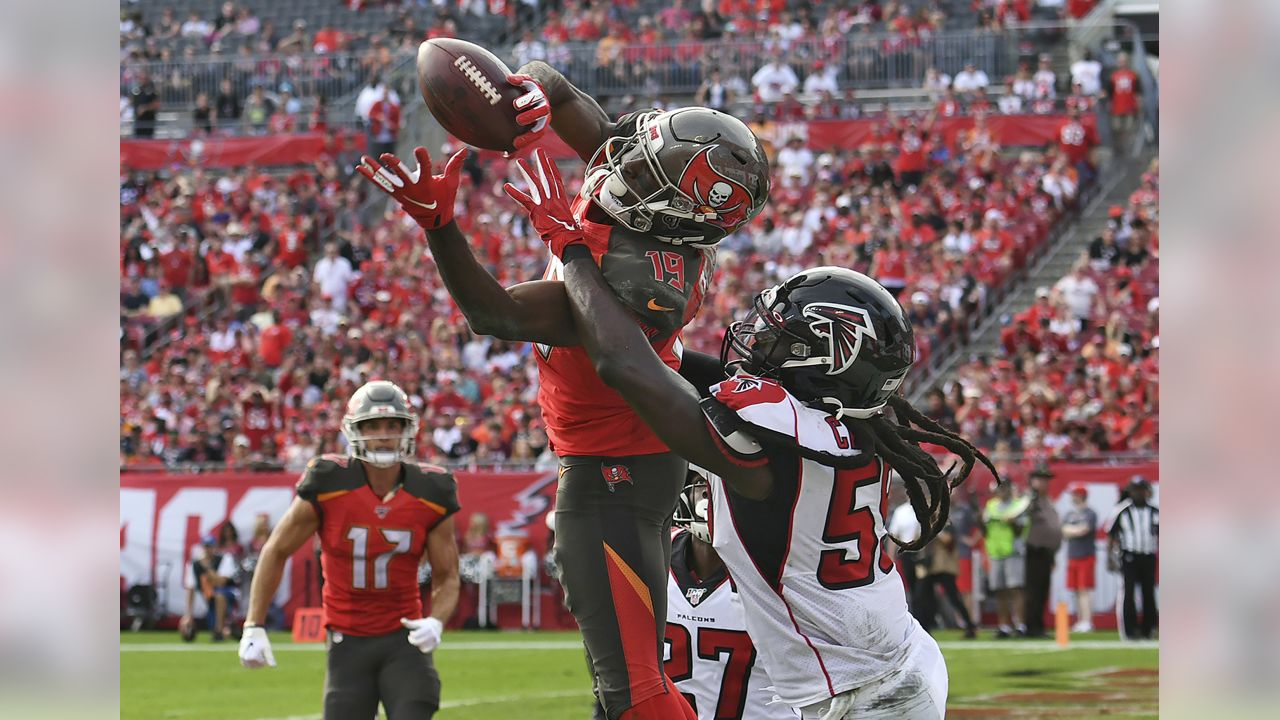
<point x="427" y="198"/>
<point x="533" y="108"/>
<point x="546" y="204"/>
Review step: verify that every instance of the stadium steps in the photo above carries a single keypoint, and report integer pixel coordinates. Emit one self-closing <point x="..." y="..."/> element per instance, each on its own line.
<point x="1124" y="177"/>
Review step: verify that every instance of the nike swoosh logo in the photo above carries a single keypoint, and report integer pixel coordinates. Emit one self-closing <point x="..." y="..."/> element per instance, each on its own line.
<point x="432" y="206"/>
<point x="653" y="305"/>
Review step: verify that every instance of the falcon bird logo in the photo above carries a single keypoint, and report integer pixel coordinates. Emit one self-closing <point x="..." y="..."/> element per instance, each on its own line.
<point x="844" y="326"/>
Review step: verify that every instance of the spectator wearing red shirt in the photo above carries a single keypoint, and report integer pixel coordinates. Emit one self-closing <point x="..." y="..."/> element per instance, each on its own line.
<point x="272" y="342"/>
<point x="1123" y="91"/>
<point x="291" y="249"/>
<point x="909" y="165"/>
<point x="1077" y="141"/>
<point x="448" y="400"/>
<point x="948" y="106"/>
<point x="889" y="266"/>
<point x="223" y="266"/>
<point x="258" y="416"/>
<point x="177" y="264"/>
<point x="384" y="124"/>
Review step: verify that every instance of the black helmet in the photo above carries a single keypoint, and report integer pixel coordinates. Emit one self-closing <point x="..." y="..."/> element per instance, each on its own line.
<point x="691" y="175"/>
<point x="832" y="337"/>
<point x="379" y="399"/>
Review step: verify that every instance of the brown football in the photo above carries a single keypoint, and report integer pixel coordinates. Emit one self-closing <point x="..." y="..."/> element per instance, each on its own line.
<point x="466" y="89"/>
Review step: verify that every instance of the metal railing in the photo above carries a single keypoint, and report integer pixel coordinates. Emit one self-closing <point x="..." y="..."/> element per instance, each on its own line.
<point x="331" y="76"/>
<point x="862" y="60"/>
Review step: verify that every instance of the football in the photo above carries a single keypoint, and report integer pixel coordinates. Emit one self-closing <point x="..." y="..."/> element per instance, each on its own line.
<point x="466" y="89"/>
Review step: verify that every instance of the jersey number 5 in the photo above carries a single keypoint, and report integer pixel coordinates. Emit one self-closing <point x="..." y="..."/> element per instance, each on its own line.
<point x="849" y="523"/>
<point x="712" y="643"/>
<point x="359" y="537"/>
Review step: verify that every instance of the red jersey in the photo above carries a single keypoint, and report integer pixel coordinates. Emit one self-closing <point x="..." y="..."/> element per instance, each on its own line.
<point x="665" y="285"/>
<point x="1075" y="139"/>
<point x="911" y="152"/>
<point x="370" y="547"/>
<point x="259" y="422"/>
<point x="1124" y="92"/>
<point x="176" y="267"/>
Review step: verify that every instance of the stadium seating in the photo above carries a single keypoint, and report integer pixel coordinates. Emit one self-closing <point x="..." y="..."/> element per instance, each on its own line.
<point x="188" y="396"/>
<point x="1075" y="383"/>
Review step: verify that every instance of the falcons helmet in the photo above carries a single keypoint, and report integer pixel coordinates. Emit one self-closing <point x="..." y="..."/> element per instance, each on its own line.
<point x="834" y="338"/>
<point x="379" y="399"/>
<point x="691" y="175"/>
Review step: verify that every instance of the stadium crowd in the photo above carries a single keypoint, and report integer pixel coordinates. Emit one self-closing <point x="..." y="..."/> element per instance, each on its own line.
<point x="254" y="304"/>
<point x="236" y="73"/>
<point x="1077" y="373"/>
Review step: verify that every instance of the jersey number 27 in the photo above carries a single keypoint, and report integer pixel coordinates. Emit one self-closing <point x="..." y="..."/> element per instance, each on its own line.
<point x="740" y="657"/>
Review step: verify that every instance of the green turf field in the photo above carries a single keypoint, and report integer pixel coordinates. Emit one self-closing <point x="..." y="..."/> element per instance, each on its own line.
<point x="542" y="676"/>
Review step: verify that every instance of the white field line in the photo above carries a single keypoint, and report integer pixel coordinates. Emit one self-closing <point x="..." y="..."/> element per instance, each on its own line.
<point x="470" y="702"/>
<point x="1010" y="645"/>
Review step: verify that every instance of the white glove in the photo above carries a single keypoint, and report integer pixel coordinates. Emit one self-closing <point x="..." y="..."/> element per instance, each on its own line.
<point x="836" y="708"/>
<point x="424" y="633"/>
<point x="840" y="705"/>
<point x="255" y="648"/>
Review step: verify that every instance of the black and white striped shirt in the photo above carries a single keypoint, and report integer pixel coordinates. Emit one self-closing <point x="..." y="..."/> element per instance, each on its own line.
<point x="1136" y="528"/>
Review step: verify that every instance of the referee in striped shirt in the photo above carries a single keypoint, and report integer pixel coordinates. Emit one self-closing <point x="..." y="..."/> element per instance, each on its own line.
<point x="1134" y="532"/>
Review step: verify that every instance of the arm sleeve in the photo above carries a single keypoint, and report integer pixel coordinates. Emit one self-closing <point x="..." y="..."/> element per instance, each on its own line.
<point x="727" y="430"/>
<point x="701" y="370"/>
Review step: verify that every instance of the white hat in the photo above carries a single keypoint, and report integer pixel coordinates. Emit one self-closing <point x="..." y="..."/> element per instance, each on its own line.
<point x="920" y="297"/>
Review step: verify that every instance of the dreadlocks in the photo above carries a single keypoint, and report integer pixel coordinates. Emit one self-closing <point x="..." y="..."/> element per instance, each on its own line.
<point x="928" y="487"/>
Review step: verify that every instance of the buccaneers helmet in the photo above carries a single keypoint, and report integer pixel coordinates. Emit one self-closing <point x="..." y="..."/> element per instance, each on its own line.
<point x="692" y="505"/>
<point x="379" y="399"/>
<point x="831" y="336"/>
<point x="691" y="175"/>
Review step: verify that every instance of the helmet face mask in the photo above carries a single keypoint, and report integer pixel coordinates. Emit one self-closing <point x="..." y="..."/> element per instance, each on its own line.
<point x="832" y="337"/>
<point x="693" y="505"/>
<point x="376" y="400"/>
<point x="691" y="176"/>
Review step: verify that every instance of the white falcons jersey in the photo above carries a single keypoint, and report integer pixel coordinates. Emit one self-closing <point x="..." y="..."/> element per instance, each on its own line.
<point x="708" y="653"/>
<point x="824" y="603"/>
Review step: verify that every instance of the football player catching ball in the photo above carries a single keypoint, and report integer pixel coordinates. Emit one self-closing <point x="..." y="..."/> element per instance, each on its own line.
<point x="660" y="190"/>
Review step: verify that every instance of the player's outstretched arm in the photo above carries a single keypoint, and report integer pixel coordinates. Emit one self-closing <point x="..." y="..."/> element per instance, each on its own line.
<point x="536" y="311"/>
<point x="532" y="312"/>
<point x="575" y="116"/>
<point x="618" y="348"/>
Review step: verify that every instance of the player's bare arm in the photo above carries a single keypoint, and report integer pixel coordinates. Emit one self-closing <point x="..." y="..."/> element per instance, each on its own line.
<point x="299" y="523"/>
<point x="536" y="311"/>
<point x="622" y="355"/>
<point x="533" y="312"/>
<point x="442" y="553"/>
<point x="575" y="116"/>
